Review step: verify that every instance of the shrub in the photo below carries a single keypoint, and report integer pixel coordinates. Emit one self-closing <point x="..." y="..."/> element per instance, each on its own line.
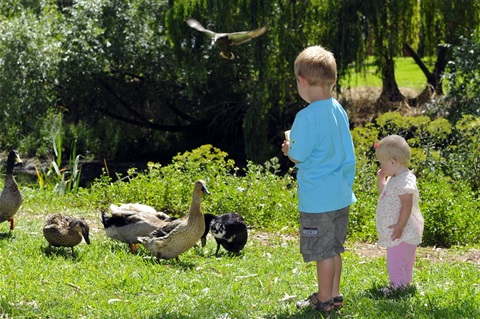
<point x="446" y="162"/>
<point x="443" y="158"/>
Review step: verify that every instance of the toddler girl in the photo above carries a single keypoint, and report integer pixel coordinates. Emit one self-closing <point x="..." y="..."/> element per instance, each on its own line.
<point x="399" y="221"/>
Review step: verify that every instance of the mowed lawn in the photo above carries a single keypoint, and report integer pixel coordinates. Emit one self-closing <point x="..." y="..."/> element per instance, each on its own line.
<point x="107" y="281"/>
<point x="407" y="74"/>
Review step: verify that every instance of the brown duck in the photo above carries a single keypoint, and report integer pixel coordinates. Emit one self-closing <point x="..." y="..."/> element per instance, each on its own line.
<point x="65" y="231"/>
<point x="181" y="234"/>
<point x="11" y="198"/>
<point x="224" y="41"/>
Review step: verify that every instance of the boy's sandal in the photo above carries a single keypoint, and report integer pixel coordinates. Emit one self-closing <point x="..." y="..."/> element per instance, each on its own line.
<point x="338" y="302"/>
<point x="313" y="302"/>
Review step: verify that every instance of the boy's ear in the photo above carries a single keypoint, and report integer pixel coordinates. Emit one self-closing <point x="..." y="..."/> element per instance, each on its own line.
<point x="302" y="80"/>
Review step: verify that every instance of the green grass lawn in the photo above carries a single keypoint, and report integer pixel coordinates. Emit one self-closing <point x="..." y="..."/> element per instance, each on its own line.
<point x="407" y="74"/>
<point x="106" y="281"/>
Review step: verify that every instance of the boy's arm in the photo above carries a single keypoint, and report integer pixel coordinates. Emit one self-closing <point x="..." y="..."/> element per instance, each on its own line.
<point x="285" y="148"/>
<point x="407" y="203"/>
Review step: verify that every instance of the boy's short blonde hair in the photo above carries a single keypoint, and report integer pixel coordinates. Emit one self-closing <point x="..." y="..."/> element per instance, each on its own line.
<point x="393" y="146"/>
<point x="317" y="65"/>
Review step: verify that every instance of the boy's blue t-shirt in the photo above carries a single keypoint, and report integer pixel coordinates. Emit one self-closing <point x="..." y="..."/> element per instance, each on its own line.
<point x="320" y="140"/>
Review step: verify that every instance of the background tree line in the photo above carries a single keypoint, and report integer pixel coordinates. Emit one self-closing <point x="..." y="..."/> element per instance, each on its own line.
<point x="130" y="78"/>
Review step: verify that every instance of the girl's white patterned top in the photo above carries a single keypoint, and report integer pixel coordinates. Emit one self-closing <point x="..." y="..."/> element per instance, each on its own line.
<point x="388" y="211"/>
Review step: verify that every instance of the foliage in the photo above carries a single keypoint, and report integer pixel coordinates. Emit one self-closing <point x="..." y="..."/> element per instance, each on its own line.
<point x="265" y="199"/>
<point x="57" y="178"/>
<point x="441" y="154"/>
<point x="133" y="72"/>
<point x="464" y="80"/>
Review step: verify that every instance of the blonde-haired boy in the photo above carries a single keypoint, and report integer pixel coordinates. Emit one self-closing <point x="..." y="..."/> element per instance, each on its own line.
<point x="321" y="147"/>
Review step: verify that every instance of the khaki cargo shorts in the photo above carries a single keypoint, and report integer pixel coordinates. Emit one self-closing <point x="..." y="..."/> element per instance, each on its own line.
<point x="322" y="235"/>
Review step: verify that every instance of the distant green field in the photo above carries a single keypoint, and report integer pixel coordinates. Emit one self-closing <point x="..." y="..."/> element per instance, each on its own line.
<point x="407" y="74"/>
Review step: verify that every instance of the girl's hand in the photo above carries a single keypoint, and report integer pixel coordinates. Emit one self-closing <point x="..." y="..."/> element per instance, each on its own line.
<point x="381" y="175"/>
<point x="397" y="231"/>
<point x="285" y="147"/>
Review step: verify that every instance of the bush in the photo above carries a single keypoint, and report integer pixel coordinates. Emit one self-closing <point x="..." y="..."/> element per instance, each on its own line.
<point x="463" y="95"/>
<point x="443" y="158"/>
<point x="265" y="199"/>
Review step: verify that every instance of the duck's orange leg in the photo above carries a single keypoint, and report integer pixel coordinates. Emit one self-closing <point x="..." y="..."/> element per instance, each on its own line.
<point x="12" y="223"/>
<point x="133" y="248"/>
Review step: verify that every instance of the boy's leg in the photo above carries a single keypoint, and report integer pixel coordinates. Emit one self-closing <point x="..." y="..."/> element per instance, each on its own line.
<point x="341" y="226"/>
<point x="338" y="275"/>
<point x="325" y="277"/>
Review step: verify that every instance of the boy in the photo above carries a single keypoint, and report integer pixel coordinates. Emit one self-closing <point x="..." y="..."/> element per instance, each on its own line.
<point x="321" y="147"/>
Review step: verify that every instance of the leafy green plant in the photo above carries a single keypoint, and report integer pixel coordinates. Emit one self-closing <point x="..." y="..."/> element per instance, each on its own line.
<point x="462" y="77"/>
<point x="57" y="178"/>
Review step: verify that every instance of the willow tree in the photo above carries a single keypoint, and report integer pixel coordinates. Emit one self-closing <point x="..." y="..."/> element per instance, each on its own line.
<point x="391" y="24"/>
<point x="443" y="23"/>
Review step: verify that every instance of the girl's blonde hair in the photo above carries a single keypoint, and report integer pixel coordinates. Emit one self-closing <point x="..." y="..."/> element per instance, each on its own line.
<point x="317" y="65"/>
<point x="393" y="146"/>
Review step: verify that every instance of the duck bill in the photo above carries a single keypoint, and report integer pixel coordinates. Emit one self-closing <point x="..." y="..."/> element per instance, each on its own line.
<point x="205" y="190"/>
<point x="86" y="237"/>
<point x="18" y="161"/>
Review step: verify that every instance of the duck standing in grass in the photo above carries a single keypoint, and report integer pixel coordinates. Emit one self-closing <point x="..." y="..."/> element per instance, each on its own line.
<point x="230" y="231"/>
<point x="130" y="221"/>
<point x="181" y="234"/>
<point x="11" y="198"/>
<point x="65" y="231"/>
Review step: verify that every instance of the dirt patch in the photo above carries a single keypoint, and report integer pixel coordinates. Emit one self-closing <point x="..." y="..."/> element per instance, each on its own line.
<point x="366" y="250"/>
<point x="362" y="108"/>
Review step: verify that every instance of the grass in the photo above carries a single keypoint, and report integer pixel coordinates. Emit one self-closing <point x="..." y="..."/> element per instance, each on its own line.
<point x="106" y="281"/>
<point x="407" y="73"/>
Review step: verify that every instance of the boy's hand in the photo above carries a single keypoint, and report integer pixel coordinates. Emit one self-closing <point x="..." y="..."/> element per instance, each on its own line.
<point x="285" y="147"/>
<point x="397" y="231"/>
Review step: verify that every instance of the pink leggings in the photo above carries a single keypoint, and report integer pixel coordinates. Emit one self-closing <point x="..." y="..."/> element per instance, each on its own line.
<point x="400" y="261"/>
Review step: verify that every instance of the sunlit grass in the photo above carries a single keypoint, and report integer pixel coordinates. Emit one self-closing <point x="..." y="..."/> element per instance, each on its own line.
<point x="407" y="74"/>
<point x="106" y="281"/>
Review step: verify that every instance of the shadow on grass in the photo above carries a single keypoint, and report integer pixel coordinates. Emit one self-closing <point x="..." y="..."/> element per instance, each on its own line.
<point x="381" y="292"/>
<point x="62" y="252"/>
<point x="7" y="235"/>
<point x="306" y="314"/>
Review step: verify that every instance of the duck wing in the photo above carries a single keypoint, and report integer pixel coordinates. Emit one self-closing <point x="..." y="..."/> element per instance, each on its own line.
<point x="197" y="26"/>
<point x="237" y="38"/>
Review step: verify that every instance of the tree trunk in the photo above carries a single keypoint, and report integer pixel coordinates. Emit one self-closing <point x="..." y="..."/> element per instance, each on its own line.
<point x="433" y="78"/>
<point x="390" y="91"/>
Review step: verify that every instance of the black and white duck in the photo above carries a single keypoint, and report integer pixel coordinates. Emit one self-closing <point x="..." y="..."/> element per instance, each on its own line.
<point x="230" y="232"/>
<point x="130" y="221"/>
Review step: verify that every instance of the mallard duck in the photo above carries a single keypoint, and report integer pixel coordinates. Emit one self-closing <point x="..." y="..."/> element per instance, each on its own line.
<point x="225" y="41"/>
<point x="65" y="231"/>
<point x="182" y="234"/>
<point x="230" y="231"/>
<point x="130" y="221"/>
<point x="11" y="198"/>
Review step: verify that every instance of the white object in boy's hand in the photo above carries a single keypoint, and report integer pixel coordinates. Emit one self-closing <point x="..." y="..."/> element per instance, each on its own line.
<point x="287" y="135"/>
